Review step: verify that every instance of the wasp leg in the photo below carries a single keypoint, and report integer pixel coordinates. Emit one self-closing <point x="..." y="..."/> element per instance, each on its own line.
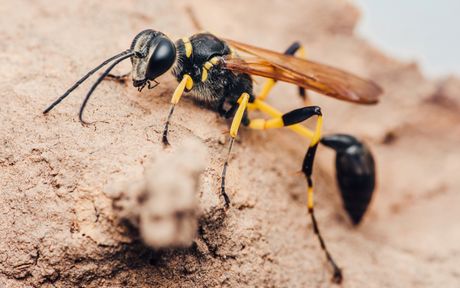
<point x="295" y="117"/>
<point x="118" y="78"/>
<point x="266" y="108"/>
<point x="236" y="123"/>
<point x="295" y="49"/>
<point x="355" y="165"/>
<point x="307" y="169"/>
<point x="186" y="82"/>
<point x="291" y="118"/>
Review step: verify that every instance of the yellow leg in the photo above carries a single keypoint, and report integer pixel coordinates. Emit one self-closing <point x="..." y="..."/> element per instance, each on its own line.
<point x="243" y="103"/>
<point x="294" y="49"/>
<point x="266" y="108"/>
<point x="309" y="159"/>
<point x="290" y="119"/>
<point x="262" y="124"/>
<point x="236" y="123"/>
<point x="303" y="93"/>
<point x="307" y="169"/>
<point x="302" y="53"/>
<point x="279" y="120"/>
<point x="268" y="85"/>
<point x="186" y="82"/>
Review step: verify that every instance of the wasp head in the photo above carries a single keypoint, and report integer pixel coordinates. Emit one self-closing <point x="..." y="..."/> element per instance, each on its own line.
<point x="151" y="53"/>
<point x="154" y="54"/>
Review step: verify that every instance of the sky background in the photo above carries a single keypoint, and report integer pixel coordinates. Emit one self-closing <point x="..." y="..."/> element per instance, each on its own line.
<point x="427" y="31"/>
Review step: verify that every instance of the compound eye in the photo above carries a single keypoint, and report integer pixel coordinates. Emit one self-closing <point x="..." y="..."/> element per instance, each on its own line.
<point x="162" y="58"/>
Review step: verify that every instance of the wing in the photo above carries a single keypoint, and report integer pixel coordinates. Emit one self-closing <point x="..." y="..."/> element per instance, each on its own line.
<point x="321" y="78"/>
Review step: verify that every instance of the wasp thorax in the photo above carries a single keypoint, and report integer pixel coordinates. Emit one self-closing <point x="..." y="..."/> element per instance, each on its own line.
<point x="155" y="54"/>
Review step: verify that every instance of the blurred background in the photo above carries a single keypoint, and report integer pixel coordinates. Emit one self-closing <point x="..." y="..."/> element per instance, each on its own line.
<point x="419" y="30"/>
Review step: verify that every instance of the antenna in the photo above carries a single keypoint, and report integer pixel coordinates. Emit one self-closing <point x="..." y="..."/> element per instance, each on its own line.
<point x="106" y="72"/>
<point x="84" y="78"/>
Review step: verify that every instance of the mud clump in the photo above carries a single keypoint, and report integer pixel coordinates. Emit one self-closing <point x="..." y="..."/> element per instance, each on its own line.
<point x="163" y="205"/>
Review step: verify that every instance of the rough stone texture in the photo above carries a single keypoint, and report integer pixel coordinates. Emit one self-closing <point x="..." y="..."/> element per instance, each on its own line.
<point x="58" y="227"/>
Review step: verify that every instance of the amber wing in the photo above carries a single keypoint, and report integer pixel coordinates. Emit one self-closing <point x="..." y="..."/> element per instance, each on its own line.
<point x="321" y="78"/>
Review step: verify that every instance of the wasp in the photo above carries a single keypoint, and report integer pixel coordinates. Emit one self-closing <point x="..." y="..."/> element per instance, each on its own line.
<point x="214" y="71"/>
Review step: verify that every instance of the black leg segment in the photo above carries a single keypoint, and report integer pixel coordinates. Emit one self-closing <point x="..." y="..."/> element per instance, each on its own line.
<point x="307" y="169"/>
<point x="300" y="115"/>
<point x="291" y="50"/>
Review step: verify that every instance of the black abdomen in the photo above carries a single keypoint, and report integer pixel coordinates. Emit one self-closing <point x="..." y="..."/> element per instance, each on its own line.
<point x="356" y="177"/>
<point x="355" y="171"/>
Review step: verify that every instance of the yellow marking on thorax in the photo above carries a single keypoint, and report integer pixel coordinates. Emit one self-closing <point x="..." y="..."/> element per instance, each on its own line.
<point x="214" y="60"/>
<point x="204" y="74"/>
<point x="208" y="65"/>
<point x="188" y="47"/>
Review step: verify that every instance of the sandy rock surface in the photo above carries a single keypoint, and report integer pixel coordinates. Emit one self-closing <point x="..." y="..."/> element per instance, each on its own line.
<point x="58" y="226"/>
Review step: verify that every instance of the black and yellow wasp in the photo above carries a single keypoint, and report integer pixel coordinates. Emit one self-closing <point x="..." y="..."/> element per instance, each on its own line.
<point x="214" y="72"/>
